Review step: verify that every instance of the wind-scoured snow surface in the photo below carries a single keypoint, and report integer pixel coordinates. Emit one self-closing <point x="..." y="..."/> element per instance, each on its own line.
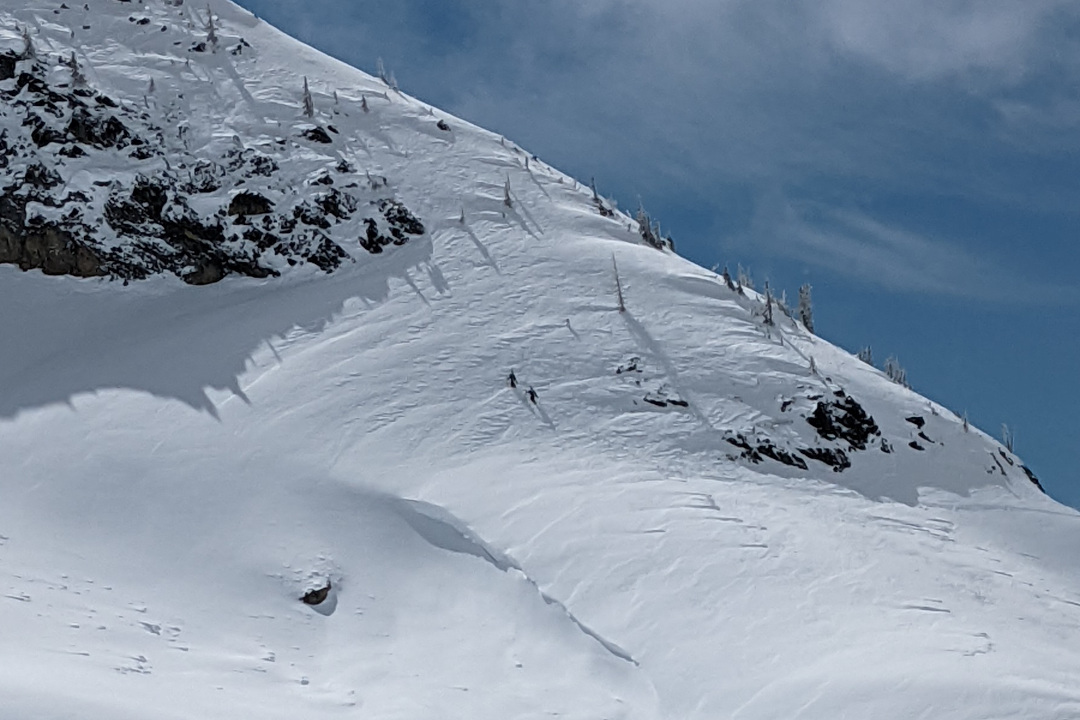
<point x="690" y="523"/>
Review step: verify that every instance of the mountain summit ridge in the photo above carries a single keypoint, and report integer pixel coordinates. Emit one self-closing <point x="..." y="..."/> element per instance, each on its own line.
<point x="308" y="489"/>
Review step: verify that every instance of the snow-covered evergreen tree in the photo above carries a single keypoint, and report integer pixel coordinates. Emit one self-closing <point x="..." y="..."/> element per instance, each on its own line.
<point x="895" y="372"/>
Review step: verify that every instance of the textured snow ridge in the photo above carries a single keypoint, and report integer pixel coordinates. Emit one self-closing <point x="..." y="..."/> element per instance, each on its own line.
<point x="696" y="515"/>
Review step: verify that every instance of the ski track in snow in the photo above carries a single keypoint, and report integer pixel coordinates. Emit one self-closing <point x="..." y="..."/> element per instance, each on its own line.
<point x="181" y="465"/>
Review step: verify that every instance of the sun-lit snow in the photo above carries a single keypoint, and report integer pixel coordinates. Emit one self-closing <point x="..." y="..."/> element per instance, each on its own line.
<point x="179" y="465"/>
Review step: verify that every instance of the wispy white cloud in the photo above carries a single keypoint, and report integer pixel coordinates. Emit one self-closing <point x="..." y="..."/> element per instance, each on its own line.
<point x="854" y="245"/>
<point x="933" y="39"/>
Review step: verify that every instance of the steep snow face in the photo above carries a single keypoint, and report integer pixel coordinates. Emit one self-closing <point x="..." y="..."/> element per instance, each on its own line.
<point x="700" y="515"/>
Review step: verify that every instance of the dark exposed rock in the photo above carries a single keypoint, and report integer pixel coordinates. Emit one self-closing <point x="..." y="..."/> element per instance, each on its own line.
<point x="39" y="176"/>
<point x="105" y="132"/>
<point x="749" y="451"/>
<point x="205" y="177"/>
<point x="262" y="239"/>
<point x="1032" y="478"/>
<point x="765" y="448"/>
<point x="782" y="456"/>
<point x="318" y="135"/>
<point x="308" y="214"/>
<point x="158" y="229"/>
<point x="151" y="195"/>
<point x="917" y="421"/>
<point x="836" y="459"/>
<point x="916" y="446"/>
<point x="328" y="255"/>
<point x="317" y="596"/>
<point x="401" y="222"/>
<point x="49" y="248"/>
<point x="401" y="219"/>
<point x="249" y="203"/>
<point x="338" y="204"/>
<point x="373" y="241"/>
<point x="206" y="274"/>
<point x="250" y="163"/>
<point x="844" y="419"/>
<point x="44" y="134"/>
<point x="8" y="61"/>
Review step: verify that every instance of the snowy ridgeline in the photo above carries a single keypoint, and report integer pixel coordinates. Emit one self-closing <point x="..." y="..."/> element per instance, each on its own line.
<point x="319" y="495"/>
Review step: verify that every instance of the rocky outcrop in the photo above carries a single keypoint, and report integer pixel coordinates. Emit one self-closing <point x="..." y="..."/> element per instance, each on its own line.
<point x="162" y="207"/>
<point x="843" y="419"/>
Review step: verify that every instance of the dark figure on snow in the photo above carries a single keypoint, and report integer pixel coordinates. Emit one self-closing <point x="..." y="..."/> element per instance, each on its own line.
<point x="532" y="395"/>
<point x="512" y="379"/>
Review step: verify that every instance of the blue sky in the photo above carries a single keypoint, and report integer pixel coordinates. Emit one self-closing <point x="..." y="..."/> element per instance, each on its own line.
<point x="916" y="161"/>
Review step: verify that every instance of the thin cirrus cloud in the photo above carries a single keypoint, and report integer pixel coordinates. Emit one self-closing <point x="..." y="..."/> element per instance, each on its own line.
<point x="876" y="253"/>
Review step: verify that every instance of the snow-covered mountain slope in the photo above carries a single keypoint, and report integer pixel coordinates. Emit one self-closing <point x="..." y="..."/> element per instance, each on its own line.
<point x="700" y="517"/>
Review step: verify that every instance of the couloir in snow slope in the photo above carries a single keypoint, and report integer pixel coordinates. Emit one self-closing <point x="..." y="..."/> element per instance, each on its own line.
<point x="179" y="465"/>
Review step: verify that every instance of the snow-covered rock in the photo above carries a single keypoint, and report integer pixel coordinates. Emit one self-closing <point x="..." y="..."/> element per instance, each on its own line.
<point x="700" y="516"/>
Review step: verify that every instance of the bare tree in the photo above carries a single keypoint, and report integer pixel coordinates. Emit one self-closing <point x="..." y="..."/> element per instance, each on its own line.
<point x="867" y="355"/>
<point x="29" y="51"/>
<point x="211" y="31"/>
<point x="806" y="308"/>
<point x="309" y="103"/>
<point x="1008" y="438"/>
<point x="743" y="277"/>
<point x="727" y="279"/>
<point x="618" y="285"/>
<point x="768" y="305"/>
<point x="78" y="79"/>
